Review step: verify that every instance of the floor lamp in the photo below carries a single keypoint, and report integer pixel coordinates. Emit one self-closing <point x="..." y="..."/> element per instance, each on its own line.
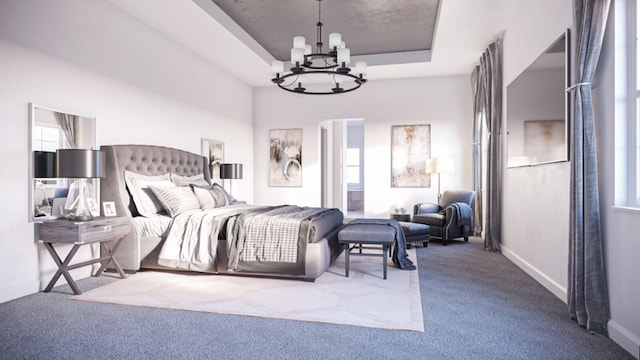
<point x="231" y="172"/>
<point x="439" y="166"/>
<point x="80" y="164"/>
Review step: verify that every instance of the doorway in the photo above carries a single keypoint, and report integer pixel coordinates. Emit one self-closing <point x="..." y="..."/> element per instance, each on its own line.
<point x="342" y="165"/>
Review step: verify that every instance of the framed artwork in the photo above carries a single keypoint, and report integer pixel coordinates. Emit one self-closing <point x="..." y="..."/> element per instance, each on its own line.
<point x="214" y="151"/>
<point x="410" y="149"/>
<point x="285" y="157"/>
<point x="109" y="208"/>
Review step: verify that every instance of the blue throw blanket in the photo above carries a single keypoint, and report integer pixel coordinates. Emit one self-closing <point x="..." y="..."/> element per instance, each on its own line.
<point x="399" y="254"/>
<point x="462" y="216"/>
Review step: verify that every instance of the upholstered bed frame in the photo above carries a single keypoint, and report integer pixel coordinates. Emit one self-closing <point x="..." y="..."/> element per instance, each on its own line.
<point x="136" y="252"/>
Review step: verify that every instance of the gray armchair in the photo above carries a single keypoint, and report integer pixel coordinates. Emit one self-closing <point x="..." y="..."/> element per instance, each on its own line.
<point x="450" y="219"/>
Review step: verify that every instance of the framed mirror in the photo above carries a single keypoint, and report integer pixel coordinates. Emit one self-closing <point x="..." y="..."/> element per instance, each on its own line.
<point x="51" y="129"/>
<point x="537" y="109"/>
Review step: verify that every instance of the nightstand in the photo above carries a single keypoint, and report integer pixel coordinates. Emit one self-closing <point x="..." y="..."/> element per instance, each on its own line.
<point x="99" y="230"/>
<point x="401" y="217"/>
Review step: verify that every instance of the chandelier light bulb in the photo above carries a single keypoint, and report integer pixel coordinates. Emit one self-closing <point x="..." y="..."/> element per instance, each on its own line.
<point x="335" y="39"/>
<point x="344" y="56"/>
<point x="361" y="68"/>
<point x="297" y="55"/>
<point x="342" y="45"/>
<point x="299" y="42"/>
<point x="277" y="68"/>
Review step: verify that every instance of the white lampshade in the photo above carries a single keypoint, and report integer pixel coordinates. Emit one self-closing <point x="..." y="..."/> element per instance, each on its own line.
<point x="334" y="40"/>
<point x="361" y="68"/>
<point x="443" y="165"/>
<point x="342" y="45"/>
<point x="344" y="56"/>
<point x="297" y="55"/>
<point x="307" y="49"/>
<point x="298" y="42"/>
<point x="277" y="67"/>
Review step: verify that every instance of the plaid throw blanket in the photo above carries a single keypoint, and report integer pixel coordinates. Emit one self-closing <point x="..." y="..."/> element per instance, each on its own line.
<point x="268" y="236"/>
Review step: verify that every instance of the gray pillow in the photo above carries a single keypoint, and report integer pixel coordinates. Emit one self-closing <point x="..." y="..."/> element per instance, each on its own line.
<point x="145" y="201"/>
<point x="176" y="200"/>
<point x="210" y="197"/>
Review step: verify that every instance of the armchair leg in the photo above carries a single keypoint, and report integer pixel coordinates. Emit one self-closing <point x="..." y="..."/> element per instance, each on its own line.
<point x="466" y="238"/>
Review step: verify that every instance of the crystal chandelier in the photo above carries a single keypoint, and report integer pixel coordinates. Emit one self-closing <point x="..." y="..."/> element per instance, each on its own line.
<point x="331" y="65"/>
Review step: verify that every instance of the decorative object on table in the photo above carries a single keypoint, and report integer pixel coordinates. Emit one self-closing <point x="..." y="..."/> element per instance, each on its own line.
<point x="285" y="157"/>
<point x="44" y="167"/>
<point x="81" y="164"/>
<point x="109" y="208"/>
<point x="410" y="148"/>
<point x="319" y="67"/>
<point x="439" y="166"/>
<point x="230" y="171"/>
<point x="213" y="150"/>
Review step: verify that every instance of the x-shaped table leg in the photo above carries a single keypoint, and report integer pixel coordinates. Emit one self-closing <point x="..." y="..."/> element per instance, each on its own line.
<point x="62" y="267"/>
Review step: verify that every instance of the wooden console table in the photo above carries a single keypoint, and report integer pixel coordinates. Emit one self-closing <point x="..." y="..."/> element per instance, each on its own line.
<point x="99" y="230"/>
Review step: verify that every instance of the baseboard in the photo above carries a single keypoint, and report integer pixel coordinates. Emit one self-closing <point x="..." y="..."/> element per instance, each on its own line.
<point x="19" y="291"/>
<point x="624" y="338"/>
<point x="555" y="288"/>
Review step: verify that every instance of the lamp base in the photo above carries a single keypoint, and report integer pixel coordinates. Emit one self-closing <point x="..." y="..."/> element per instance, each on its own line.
<point x="81" y="204"/>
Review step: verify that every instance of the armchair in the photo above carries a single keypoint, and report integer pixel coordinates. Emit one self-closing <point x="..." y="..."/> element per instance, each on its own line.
<point x="450" y="219"/>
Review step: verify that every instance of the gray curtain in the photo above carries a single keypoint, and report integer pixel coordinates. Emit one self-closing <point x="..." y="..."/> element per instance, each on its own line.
<point x="486" y="81"/>
<point x="587" y="295"/>
<point x="69" y="125"/>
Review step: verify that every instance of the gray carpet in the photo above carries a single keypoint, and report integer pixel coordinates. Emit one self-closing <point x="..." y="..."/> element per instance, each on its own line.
<point x="476" y="305"/>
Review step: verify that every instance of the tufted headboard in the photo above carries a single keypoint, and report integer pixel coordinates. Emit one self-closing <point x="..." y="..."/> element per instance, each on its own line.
<point x="146" y="160"/>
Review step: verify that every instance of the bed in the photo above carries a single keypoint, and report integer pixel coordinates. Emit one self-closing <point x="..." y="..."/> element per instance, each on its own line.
<point x="234" y="246"/>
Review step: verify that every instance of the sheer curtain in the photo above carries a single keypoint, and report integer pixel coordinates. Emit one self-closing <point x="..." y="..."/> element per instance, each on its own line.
<point x="69" y="125"/>
<point x="486" y="81"/>
<point x="587" y="294"/>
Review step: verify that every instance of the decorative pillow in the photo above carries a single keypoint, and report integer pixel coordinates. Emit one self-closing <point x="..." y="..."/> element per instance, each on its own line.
<point x="145" y="201"/>
<point x="210" y="197"/>
<point x="180" y="180"/>
<point x="177" y="199"/>
<point x="227" y="196"/>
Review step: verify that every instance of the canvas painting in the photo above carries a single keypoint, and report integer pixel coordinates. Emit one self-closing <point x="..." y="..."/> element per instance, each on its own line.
<point x="214" y="151"/>
<point x="545" y="140"/>
<point x="285" y="157"/>
<point x="410" y="149"/>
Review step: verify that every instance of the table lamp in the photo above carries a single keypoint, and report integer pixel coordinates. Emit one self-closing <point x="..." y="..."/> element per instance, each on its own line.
<point x="230" y="171"/>
<point x="82" y="165"/>
<point x="439" y="166"/>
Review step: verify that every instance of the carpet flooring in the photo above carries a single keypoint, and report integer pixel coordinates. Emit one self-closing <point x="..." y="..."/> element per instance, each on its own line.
<point x="362" y="299"/>
<point x="476" y="306"/>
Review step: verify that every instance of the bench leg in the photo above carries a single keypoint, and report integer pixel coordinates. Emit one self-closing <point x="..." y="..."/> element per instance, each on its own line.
<point x="384" y="260"/>
<point x="346" y="259"/>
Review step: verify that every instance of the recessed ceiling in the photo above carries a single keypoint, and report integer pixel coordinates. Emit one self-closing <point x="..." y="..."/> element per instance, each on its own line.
<point x="460" y="31"/>
<point x="367" y="26"/>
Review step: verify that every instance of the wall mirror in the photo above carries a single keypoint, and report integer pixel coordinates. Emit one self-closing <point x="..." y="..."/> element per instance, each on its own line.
<point x="51" y="129"/>
<point x="537" y="109"/>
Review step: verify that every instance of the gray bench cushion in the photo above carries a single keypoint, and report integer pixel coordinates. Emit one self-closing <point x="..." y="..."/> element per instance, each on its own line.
<point x="367" y="234"/>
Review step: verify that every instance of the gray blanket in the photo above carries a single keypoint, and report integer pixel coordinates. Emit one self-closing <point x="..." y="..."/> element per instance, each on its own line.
<point x="462" y="212"/>
<point x="399" y="255"/>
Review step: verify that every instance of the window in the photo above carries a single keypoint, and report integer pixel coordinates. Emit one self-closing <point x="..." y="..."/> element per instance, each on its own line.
<point x="633" y="100"/>
<point x="47" y="138"/>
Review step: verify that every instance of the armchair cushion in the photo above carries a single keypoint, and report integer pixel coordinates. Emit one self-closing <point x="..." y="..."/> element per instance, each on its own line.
<point x="435" y="219"/>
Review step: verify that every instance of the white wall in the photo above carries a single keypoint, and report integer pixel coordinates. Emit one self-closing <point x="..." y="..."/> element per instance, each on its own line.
<point x="620" y="227"/>
<point x="536" y="221"/>
<point x="443" y="102"/>
<point x="92" y="58"/>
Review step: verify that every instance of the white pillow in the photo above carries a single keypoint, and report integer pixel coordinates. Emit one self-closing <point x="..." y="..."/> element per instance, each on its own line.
<point x="176" y="200"/>
<point x="146" y="202"/>
<point x="210" y="197"/>
<point x="180" y="180"/>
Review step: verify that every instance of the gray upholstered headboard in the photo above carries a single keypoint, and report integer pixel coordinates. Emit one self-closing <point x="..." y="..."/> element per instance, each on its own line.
<point x="146" y="160"/>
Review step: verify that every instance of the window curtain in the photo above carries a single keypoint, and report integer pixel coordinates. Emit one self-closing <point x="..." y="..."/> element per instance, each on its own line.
<point x="69" y="125"/>
<point x="587" y="294"/>
<point x="486" y="81"/>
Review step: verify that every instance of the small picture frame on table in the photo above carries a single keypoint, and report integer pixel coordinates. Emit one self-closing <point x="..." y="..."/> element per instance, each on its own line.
<point x="109" y="208"/>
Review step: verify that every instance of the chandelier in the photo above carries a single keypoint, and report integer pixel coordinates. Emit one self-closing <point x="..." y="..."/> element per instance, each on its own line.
<point x="307" y="64"/>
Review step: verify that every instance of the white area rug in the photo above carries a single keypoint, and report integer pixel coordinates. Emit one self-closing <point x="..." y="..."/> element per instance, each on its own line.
<point x="362" y="299"/>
